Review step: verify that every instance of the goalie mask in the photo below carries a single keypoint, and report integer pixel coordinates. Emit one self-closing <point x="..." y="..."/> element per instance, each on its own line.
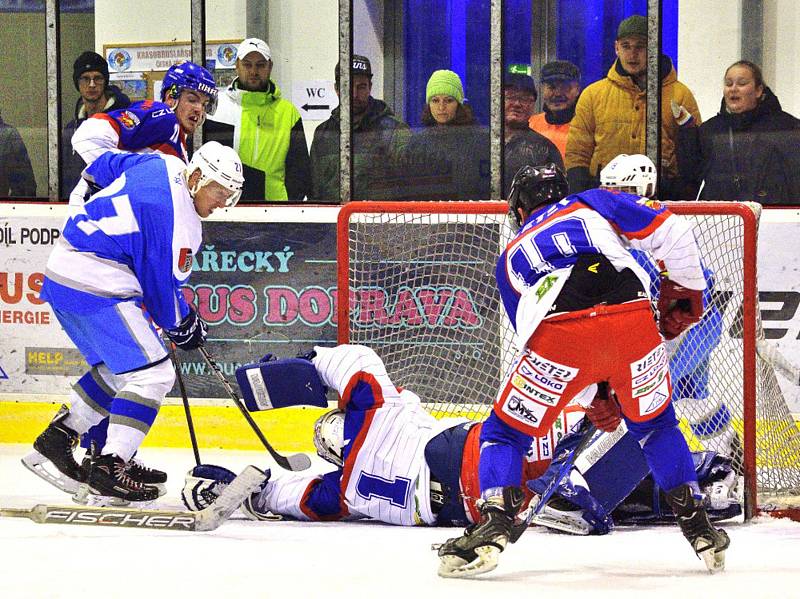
<point x="536" y="186"/>
<point x="217" y="163"/>
<point x="329" y="437"/>
<point x="633" y="173"/>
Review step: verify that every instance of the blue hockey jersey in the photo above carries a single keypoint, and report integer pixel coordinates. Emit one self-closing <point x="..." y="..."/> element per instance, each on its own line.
<point x="145" y="126"/>
<point x="533" y="268"/>
<point x="132" y="241"/>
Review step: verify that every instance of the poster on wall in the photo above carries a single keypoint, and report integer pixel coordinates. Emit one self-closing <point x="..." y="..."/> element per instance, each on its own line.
<point x="270" y="287"/>
<point x="159" y="57"/>
<point x="261" y="287"/>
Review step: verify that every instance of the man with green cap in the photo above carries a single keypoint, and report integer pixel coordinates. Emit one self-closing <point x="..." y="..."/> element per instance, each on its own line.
<point x="610" y="114"/>
<point x="379" y="138"/>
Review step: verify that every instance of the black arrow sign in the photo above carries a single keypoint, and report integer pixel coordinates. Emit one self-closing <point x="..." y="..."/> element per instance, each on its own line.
<point x="308" y="107"/>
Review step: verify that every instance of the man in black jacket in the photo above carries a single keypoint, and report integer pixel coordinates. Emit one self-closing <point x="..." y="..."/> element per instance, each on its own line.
<point x="379" y="138"/>
<point x="90" y="76"/>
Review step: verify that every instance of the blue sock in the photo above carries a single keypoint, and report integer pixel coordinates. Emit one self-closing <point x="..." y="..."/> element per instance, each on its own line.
<point x="502" y="449"/>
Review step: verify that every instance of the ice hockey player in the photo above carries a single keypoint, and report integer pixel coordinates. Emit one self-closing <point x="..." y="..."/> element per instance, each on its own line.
<point x="394" y="461"/>
<point x="187" y="94"/>
<point x="131" y="244"/>
<point x="709" y="417"/>
<point x="568" y="275"/>
<point x="447" y="468"/>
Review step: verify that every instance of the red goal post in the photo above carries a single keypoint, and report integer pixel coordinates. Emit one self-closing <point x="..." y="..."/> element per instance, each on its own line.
<point x="416" y="282"/>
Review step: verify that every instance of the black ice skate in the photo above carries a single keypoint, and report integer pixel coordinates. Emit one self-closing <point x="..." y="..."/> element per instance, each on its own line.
<point x="136" y="470"/>
<point x="708" y="542"/>
<point x="109" y="477"/>
<point x="478" y="549"/>
<point x="55" y="445"/>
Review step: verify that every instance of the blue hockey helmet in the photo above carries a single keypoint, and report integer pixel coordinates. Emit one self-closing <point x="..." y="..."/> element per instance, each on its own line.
<point x="188" y="75"/>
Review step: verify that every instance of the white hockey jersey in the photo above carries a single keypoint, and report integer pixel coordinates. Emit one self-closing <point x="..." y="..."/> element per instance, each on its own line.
<point x="386" y="429"/>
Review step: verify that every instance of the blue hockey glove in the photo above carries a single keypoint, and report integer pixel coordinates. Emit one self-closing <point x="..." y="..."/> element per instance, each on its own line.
<point x="190" y="333"/>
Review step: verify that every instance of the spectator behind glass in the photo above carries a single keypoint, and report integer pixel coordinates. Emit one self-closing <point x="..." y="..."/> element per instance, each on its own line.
<point x="747" y="152"/>
<point x="264" y="128"/>
<point x="448" y="159"/>
<point x="523" y="147"/>
<point x="90" y="76"/>
<point x="379" y="139"/>
<point x="561" y="87"/>
<point x="16" y="172"/>
<point x="610" y="114"/>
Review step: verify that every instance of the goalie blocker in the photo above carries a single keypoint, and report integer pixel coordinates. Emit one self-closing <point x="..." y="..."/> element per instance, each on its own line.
<point x="281" y="382"/>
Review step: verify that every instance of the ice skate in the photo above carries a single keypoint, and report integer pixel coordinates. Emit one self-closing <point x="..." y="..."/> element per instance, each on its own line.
<point x="708" y="542"/>
<point x="52" y="459"/>
<point x="477" y="551"/>
<point x="109" y="477"/>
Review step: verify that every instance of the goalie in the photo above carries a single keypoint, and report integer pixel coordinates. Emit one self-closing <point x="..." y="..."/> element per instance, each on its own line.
<point x="399" y="465"/>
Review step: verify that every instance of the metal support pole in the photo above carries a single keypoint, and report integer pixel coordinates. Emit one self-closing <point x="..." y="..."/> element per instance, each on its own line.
<point x="53" y="33"/>
<point x="345" y="133"/>
<point x="198" y="17"/>
<point x="653" y="115"/>
<point x="496" y="98"/>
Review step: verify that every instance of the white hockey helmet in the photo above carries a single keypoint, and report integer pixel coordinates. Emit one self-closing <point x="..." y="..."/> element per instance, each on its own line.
<point x="218" y="163"/>
<point x="329" y="437"/>
<point x="630" y="172"/>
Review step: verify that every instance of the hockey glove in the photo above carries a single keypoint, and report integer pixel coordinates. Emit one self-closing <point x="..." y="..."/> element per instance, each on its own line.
<point x="604" y="410"/>
<point x="678" y="308"/>
<point x="190" y="333"/>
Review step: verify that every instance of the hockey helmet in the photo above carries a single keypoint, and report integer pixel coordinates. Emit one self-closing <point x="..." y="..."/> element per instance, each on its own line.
<point x="329" y="437"/>
<point x="188" y="75"/>
<point x="217" y="163"/>
<point x="535" y="186"/>
<point x="634" y="172"/>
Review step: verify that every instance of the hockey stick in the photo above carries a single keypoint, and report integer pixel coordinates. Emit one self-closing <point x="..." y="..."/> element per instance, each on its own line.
<point x="295" y="462"/>
<point x="177" y="365"/>
<point x="563" y="473"/>
<point x="206" y="519"/>
<point x="777" y="360"/>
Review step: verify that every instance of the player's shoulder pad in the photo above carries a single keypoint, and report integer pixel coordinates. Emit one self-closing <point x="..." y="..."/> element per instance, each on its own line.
<point x="281" y="383"/>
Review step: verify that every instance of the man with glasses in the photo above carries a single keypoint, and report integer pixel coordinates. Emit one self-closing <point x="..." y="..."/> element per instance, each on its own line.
<point x="90" y="76"/>
<point x="522" y="146"/>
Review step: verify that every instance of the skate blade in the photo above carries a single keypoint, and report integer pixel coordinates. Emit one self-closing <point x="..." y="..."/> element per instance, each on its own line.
<point x="452" y="566"/>
<point x="86" y="496"/>
<point x="714" y="560"/>
<point x="40" y="466"/>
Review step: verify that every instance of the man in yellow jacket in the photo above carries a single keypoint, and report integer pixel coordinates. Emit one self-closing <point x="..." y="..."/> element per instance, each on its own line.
<point x="610" y="114"/>
<point x="265" y="130"/>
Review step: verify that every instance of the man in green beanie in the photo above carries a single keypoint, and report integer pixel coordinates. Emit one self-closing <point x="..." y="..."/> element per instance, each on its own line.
<point x="379" y="138"/>
<point x="610" y="114"/>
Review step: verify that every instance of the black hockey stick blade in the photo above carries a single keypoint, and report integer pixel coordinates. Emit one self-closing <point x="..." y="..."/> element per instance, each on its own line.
<point x="294" y="462"/>
<point x="207" y="519"/>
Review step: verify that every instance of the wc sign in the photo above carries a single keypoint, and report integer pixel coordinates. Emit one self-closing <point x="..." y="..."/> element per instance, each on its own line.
<point x="315" y="98"/>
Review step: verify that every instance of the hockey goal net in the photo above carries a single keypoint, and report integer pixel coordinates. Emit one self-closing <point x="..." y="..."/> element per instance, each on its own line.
<point x="416" y="283"/>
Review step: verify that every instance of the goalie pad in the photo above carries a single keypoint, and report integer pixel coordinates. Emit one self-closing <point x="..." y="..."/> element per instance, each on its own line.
<point x="602" y="478"/>
<point x="278" y="383"/>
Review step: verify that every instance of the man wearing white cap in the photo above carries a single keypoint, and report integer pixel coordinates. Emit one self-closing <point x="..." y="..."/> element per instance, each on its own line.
<point x="265" y="129"/>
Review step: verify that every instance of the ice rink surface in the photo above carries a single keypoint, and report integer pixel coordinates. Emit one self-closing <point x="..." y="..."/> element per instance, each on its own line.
<point x="309" y="560"/>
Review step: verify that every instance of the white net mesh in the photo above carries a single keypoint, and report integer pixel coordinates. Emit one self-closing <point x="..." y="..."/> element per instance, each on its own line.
<point x="423" y="295"/>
